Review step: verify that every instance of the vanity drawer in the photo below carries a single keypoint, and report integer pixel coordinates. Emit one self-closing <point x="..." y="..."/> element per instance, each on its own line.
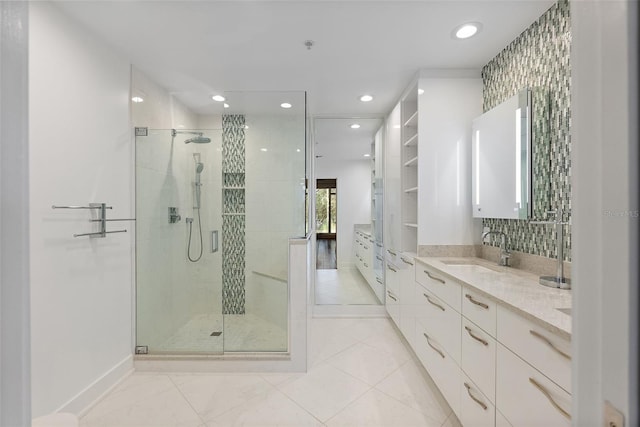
<point x="480" y="310"/>
<point x="476" y="410"/>
<point x="444" y="371"/>
<point x="544" y="350"/>
<point x="528" y="398"/>
<point x="446" y="289"/>
<point x="479" y="358"/>
<point x="437" y="319"/>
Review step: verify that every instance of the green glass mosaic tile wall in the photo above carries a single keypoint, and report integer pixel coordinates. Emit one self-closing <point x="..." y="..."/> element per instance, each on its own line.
<point x="539" y="59"/>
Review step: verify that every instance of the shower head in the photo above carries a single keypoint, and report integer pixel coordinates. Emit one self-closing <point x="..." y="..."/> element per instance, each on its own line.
<point x="199" y="167"/>
<point x="198" y="140"/>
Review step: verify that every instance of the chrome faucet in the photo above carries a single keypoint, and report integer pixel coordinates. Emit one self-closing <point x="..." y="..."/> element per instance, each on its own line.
<point x="504" y="251"/>
<point x="557" y="281"/>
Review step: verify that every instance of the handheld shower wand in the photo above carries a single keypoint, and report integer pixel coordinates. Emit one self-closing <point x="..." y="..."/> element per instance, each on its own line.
<point x="196" y="207"/>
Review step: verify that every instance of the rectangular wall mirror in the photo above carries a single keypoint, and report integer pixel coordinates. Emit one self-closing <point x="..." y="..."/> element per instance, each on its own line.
<point x="501" y="160"/>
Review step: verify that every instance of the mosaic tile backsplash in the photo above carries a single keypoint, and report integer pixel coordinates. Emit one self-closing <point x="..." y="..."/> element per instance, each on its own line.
<point x="539" y="59"/>
<point x="233" y="219"/>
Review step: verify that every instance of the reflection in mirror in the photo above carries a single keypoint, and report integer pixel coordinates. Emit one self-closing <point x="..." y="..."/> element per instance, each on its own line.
<point x="345" y="155"/>
<point x="501" y="160"/>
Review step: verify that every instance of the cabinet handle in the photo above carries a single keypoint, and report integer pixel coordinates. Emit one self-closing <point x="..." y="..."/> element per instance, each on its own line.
<point x="391" y="296"/>
<point x="366" y="247"/>
<point x="431" y="345"/>
<point x="379" y="258"/>
<point x="391" y="268"/>
<point x="391" y="252"/>
<point x="379" y="280"/>
<point x="550" y="344"/>
<point x="405" y="261"/>
<point x="366" y="265"/>
<point x="475" y="399"/>
<point x="475" y="337"/>
<point x="481" y="304"/>
<point x="433" y="303"/>
<point x="433" y="277"/>
<point x="379" y="244"/>
<point x="548" y="396"/>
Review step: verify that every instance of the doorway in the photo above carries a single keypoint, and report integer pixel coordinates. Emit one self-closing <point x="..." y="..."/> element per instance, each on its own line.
<point x="326" y="224"/>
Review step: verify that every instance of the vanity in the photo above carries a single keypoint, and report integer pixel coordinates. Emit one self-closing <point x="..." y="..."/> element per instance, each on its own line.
<point x="496" y="343"/>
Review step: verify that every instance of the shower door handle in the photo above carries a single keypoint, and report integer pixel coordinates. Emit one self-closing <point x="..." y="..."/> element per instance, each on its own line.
<point x="214" y="241"/>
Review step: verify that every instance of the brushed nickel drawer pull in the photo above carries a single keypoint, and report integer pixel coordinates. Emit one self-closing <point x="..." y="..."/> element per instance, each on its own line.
<point x="391" y="296"/>
<point x="379" y="258"/>
<point x="391" y="252"/>
<point x="475" y="399"/>
<point x="366" y="265"/>
<point x="405" y="261"/>
<point x="431" y="345"/>
<point x="550" y="398"/>
<point x="391" y="268"/>
<point x="379" y="244"/>
<point x="481" y="304"/>
<point x="379" y="280"/>
<point x="433" y="303"/>
<point x="366" y="247"/>
<point x="433" y="277"/>
<point x="550" y="344"/>
<point x="475" y="337"/>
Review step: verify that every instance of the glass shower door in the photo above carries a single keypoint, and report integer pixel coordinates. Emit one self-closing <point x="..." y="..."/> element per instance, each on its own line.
<point x="178" y="267"/>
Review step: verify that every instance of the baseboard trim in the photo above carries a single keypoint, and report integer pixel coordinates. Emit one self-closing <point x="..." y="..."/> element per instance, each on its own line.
<point x="81" y="403"/>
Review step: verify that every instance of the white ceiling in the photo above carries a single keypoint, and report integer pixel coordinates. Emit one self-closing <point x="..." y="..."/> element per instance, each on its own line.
<point x="199" y="48"/>
<point x="336" y="140"/>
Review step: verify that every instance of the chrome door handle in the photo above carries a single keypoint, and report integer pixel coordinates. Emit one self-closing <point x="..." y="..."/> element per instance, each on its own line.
<point x="475" y="399"/>
<point x="550" y="344"/>
<point x="546" y="394"/>
<point x="431" y="345"/>
<point x="475" y="337"/>
<point x="433" y="303"/>
<point x="481" y="304"/>
<point x="434" y="278"/>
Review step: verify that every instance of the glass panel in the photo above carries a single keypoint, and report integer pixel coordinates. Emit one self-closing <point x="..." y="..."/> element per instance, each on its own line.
<point x="333" y="214"/>
<point x="266" y="145"/>
<point x="179" y="286"/>
<point x="322" y="210"/>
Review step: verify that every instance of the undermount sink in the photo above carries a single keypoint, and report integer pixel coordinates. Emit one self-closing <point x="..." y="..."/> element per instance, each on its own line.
<point x="468" y="266"/>
<point x="564" y="310"/>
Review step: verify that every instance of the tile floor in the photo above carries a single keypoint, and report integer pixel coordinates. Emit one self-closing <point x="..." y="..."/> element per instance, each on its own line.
<point x="343" y="286"/>
<point x="360" y="374"/>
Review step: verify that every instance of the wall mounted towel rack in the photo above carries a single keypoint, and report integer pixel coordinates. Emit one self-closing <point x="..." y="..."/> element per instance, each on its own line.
<point x="99" y="212"/>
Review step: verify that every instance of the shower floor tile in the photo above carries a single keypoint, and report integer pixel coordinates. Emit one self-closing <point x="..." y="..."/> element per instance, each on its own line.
<point x="239" y="332"/>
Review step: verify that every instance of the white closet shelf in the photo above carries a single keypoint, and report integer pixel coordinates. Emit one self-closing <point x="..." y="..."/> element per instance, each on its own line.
<point x="411" y="141"/>
<point x="411" y="190"/>
<point x="412" y="121"/>
<point x="412" y="162"/>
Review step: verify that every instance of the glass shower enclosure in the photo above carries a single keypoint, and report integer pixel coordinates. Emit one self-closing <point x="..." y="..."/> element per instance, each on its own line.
<point x="215" y="208"/>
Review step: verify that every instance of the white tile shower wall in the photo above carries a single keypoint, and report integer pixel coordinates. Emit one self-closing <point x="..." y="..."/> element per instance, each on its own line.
<point x="354" y="199"/>
<point x="80" y="152"/>
<point x="274" y="206"/>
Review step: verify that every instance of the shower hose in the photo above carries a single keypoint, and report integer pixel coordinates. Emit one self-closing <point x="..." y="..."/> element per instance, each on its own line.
<point x="190" y="233"/>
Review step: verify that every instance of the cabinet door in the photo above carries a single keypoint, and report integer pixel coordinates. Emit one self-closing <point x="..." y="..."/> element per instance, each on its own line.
<point x="476" y="409"/>
<point x="407" y="298"/>
<point x="479" y="358"/>
<point x="437" y="319"/>
<point x="392" y="294"/>
<point x="392" y="191"/>
<point x="526" y="397"/>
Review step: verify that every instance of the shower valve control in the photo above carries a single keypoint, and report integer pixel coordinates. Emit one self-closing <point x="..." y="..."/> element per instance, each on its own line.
<point x="174" y="216"/>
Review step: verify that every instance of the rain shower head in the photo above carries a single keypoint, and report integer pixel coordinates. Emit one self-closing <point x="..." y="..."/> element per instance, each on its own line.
<point x="198" y="140"/>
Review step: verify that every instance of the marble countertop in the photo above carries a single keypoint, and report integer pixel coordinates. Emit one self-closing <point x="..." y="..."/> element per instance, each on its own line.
<point x="517" y="290"/>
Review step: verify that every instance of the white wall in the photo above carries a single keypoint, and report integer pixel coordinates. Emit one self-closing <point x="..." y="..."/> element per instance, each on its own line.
<point x="15" y="366"/>
<point x="604" y="62"/>
<point x="354" y="199"/>
<point x="80" y="152"/>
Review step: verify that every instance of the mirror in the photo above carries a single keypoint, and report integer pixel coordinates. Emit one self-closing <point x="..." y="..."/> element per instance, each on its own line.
<point x="502" y="160"/>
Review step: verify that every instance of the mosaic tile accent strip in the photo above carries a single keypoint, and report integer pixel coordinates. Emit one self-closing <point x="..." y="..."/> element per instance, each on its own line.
<point x="539" y="59"/>
<point x="233" y="220"/>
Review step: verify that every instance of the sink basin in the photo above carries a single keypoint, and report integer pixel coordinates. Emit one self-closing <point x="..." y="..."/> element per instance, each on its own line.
<point x="468" y="266"/>
<point x="564" y="310"/>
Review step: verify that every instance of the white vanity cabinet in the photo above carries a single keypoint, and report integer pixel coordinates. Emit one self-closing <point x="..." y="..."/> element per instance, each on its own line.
<point x="364" y="249"/>
<point x="494" y="366"/>
<point x="400" y="279"/>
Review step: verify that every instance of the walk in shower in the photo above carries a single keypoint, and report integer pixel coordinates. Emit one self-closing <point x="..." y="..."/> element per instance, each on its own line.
<point x="215" y="210"/>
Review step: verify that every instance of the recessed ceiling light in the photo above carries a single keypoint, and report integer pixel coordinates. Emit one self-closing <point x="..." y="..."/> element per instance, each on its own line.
<point x="420" y="91"/>
<point x="137" y="99"/>
<point x="246" y="126"/>
<point x="467" y="30"/>
<point x="180" y="126"/>
<point x="226" y="105"/>
<point x="297" y="150"/>
<point x="218" y="98"/>
<point x="367" y="155"/>
<point x="396" y="126"/>
<point x="355" y="126"/>
<point x="285" y="105"/>
<point x="263" y="149"/>
<point x="366" y="98"/>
